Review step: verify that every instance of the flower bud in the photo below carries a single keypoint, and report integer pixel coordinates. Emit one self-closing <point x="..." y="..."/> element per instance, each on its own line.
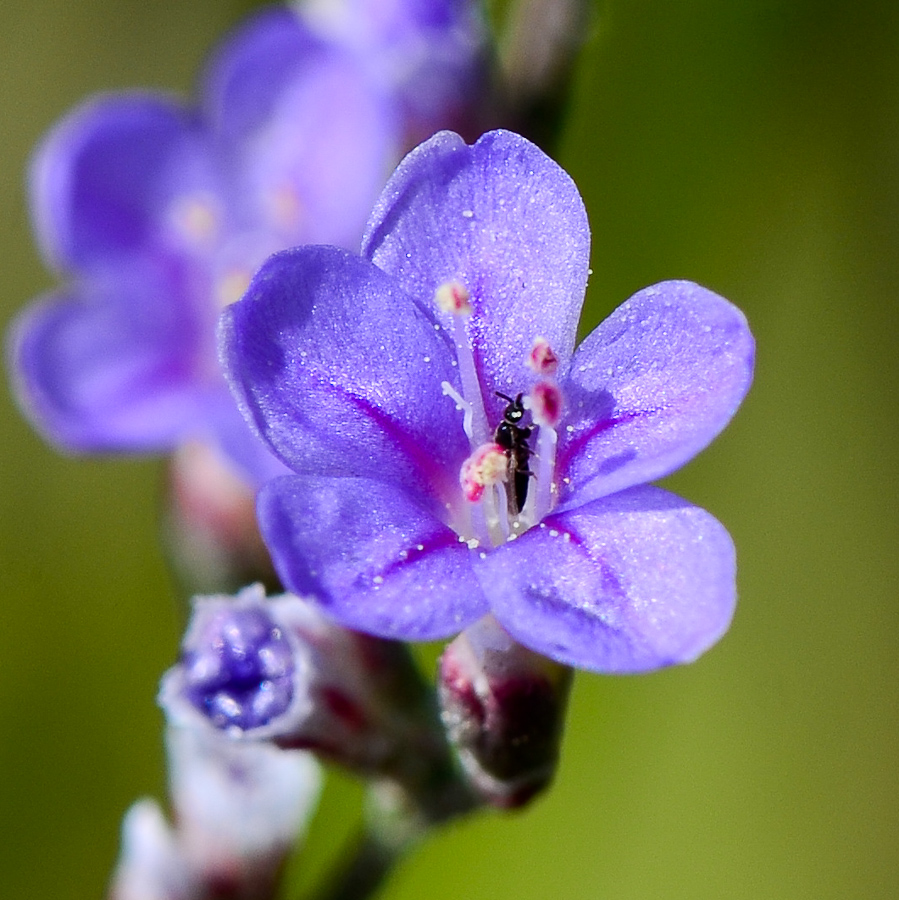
<point x="276" y="669"/>
<point x="503" y="707"/>
<point x="151" y="864"/>
<point x="240" y="807"/>
<point x="239" y="810"/>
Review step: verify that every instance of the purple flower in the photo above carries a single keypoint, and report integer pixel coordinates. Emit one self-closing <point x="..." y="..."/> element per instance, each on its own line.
<point x="157" y="214"/>
<point x="429" y="54"/>
<point x="413" y="511"/>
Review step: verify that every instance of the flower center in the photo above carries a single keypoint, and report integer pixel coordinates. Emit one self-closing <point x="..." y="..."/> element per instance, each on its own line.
<point x="507" y="481"/>
<point x="243" y="677"/>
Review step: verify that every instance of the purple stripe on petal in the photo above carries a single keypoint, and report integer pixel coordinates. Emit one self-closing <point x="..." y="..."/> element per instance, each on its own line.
<point x="652" y="386"/>
<point x="633" y="582"/>
<point x="341" y="373"/>
<point x="373" y="556"/>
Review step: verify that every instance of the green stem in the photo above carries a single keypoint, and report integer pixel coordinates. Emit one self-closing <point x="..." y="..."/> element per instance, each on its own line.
<point x="395" y="822"/>
<point x="366" y="865"/>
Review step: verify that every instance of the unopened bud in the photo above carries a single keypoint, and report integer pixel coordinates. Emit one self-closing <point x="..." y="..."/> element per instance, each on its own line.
<point x="210" y="525"/>
<point x="504" y="708"/>
<point x="276" y="669"/>
<point x="151" y="864"/>
<point x="240" y="808"/>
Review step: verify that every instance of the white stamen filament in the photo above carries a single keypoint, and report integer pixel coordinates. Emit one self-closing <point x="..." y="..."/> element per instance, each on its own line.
<point x="502" y="512"/>
<point x="546" y="463"/>
<point x="471" y="386"/>
<point x="463" y="405"/>
<point x="479" y="526"/>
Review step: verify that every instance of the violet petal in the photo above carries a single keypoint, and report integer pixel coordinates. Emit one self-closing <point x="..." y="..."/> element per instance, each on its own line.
<point x="651" y="387"/>
<point x="107" y="179"/>
<point x="96" y="375"/>
<point x="504" y="220"/>
<point x="250" y="68"/>
<point x="373" y="556"/>
<point x="633" y="582"/>
<point x="341" y="374"/>
<point x="314" y="168"/>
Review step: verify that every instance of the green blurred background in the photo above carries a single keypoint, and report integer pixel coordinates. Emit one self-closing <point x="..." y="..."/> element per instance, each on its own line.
<point x="750" y="146"/>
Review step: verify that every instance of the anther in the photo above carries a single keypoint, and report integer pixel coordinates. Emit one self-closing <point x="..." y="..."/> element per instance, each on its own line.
<point x="542" y="359"/>
<point x="453" y="297"/>
<point x="486" y="467"/>
<point x="546" y="404"/>
<point x="196" y="219"/>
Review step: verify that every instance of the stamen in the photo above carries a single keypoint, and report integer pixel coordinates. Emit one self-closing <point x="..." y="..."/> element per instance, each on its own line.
<point x="232" y="286"/>
<point x="486" y="467"/>
<point x="501" y="519"/>
<point x="542" y="359"/>
<point x="546" y="403"/>
<point x="481" y="478"/>
<point x="283" y="206"/>
<point x="546" y="463"/>
<point x="454" y="297"/>
<point x="461" y="404"/>
<point x="196" y="218"/>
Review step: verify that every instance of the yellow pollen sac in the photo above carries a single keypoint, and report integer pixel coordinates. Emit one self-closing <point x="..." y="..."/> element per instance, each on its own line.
<point x="195" y="217"/>
<point x="453" y="297"/>
<point x="487" y="466"/>
<point x="284" y="207"/>
<point x="231" y="286"/>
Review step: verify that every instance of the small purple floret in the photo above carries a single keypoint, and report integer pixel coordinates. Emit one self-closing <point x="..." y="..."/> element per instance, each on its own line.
<point x="242" y="675"/>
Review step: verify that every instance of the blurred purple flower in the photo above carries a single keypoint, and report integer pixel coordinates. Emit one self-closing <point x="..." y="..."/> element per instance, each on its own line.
<point x="158" y="213"/>
<point x="411" y="513"/>
<point x="428" y="54"/>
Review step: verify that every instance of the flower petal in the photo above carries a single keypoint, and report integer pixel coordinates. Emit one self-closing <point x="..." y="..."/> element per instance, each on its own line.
<point x="651" y="387"/>
<point x="374" y="557"/>
<point x="108" y="180"/>
<point x="428" y="53"/>
<point x="313" y="171"/>
<point x="308" y="139"/>
<point x="341" y="373"/>
<point x="100" y="371"/>
<point x="504" y="220"/>
<point x="251" y="456"/>
<point x="633" y="582"/>
<point x="250" y="68"/>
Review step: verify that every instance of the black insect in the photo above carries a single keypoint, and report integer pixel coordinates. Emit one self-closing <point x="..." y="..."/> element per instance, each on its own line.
<point x="513" y="439"/>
